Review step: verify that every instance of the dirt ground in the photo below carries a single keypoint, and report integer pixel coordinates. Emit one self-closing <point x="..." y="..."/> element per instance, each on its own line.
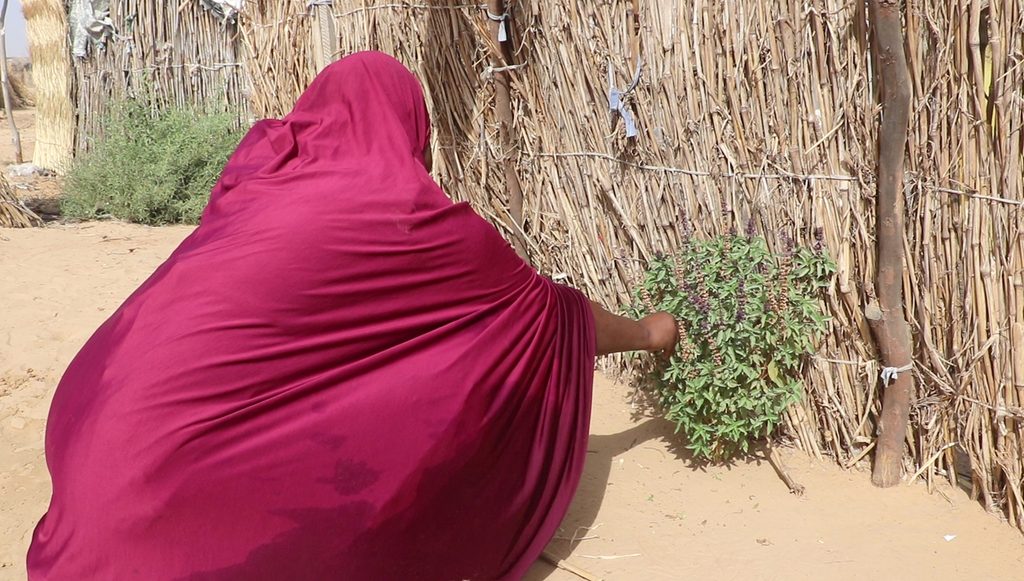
<point x="40" y="193"/>
<point x="642" y="510"/>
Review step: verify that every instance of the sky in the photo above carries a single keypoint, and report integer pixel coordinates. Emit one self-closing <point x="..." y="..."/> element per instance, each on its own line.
<point x="17" y="39"/>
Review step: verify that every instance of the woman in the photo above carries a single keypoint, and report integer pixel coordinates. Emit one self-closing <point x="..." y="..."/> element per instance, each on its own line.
<point x="339" y="375"/>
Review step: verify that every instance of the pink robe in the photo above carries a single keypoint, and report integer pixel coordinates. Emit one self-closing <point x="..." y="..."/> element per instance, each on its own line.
<point x="339" y="375"/>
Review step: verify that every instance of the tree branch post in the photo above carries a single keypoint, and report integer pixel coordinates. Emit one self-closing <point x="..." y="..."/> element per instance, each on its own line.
<point x="501" y="35"/>
<point x="6" y="82"/>
<point x="886" y="318"/>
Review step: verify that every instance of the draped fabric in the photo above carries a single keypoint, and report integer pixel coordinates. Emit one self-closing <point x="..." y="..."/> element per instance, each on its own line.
<point x="339" y="375"/>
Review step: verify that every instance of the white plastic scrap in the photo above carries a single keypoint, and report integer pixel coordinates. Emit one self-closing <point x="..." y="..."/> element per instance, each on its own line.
<point x="617" y="99"/>
<point x="90" y="21"/>
<point x="224" y="9"/>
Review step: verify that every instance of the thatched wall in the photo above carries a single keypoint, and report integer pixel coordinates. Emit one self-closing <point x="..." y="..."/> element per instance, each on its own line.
<point x="754" y="110"/>
<point x="277" y="36"/>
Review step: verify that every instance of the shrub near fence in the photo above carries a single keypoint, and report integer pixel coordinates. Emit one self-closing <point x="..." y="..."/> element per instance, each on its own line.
<point x="151" y="168"/>
<point x="762" y="111"/>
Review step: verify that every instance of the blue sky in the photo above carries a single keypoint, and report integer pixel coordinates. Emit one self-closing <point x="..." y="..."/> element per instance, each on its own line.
<point x="17" y="40"/>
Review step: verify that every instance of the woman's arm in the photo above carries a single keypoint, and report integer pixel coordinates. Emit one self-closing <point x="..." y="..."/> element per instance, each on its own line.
<point x="616" y="334"/>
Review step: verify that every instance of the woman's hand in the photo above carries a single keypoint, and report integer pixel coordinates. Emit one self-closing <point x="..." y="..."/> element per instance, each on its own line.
<point x="616" y="334"/>
<point x="662" y="332"/>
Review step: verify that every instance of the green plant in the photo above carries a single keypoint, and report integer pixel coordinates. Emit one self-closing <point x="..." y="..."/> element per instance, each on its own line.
<point x="151" y="167"/>
<point x="747" y="321"/>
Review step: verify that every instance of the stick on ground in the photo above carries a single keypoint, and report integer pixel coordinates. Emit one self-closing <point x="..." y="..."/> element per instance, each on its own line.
<point x="780" y="469"/>
<point x="555" y="561"/>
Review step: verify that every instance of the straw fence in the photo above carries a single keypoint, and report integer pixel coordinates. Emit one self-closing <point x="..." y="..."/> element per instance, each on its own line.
<point x="760" y="111"/>
<point x="277" y="36"/>
<point x="171" y="53"/>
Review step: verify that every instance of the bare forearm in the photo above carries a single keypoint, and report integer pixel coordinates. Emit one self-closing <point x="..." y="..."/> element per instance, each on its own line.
<point x="616" y="334"/>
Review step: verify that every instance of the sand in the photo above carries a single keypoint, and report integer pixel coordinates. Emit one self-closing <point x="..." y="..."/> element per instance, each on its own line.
<point x="643" y="511"/>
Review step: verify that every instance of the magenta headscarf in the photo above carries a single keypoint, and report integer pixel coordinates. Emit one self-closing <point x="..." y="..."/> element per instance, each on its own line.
<point x="339" y="375"/>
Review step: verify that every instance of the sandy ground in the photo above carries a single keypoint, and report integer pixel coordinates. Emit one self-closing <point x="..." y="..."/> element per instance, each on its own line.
<point x="642" y="511"/>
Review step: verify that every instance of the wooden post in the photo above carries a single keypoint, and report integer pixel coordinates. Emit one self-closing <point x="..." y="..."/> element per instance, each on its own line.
<point x="502" y="57"/>
<point x="6" y="82"/>
<point x="325" y="36"/>
<point x="886" y="318"/>
<point x="633" y="21"/>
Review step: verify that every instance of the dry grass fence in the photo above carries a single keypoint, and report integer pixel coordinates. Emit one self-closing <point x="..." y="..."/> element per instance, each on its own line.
<point x="171" y="53"/>
<point x="747" y="111"/>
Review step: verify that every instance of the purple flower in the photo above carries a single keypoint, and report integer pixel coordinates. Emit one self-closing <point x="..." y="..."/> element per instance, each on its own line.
<point x="687" y="226"/>
<point x="701" y="303"/>
<point x="741" y="301"/>
<point x="787" y="243"/>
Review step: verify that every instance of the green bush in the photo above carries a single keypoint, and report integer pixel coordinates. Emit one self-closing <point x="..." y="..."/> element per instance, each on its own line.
<point x="747" y="320"/>
<point x="151" y="167"/>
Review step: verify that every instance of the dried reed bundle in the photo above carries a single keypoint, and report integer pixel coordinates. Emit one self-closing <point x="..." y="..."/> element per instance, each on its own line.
<point x="14" y="214"/>
<point x="51" y="65"/>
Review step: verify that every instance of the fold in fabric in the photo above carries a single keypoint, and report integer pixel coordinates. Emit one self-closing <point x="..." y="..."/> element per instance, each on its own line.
<point x="339" y="375"/>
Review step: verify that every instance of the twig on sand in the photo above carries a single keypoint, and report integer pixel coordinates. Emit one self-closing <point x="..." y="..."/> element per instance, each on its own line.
<point x="553" y="560"/>
<point x="928" y="464"/>
<point x="860" y="455"/>
<point x="780" y="469"/>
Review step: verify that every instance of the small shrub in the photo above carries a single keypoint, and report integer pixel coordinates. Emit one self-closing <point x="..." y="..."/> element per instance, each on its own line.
<point x="747" y="321"/>
<point x="151" y="167"/>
